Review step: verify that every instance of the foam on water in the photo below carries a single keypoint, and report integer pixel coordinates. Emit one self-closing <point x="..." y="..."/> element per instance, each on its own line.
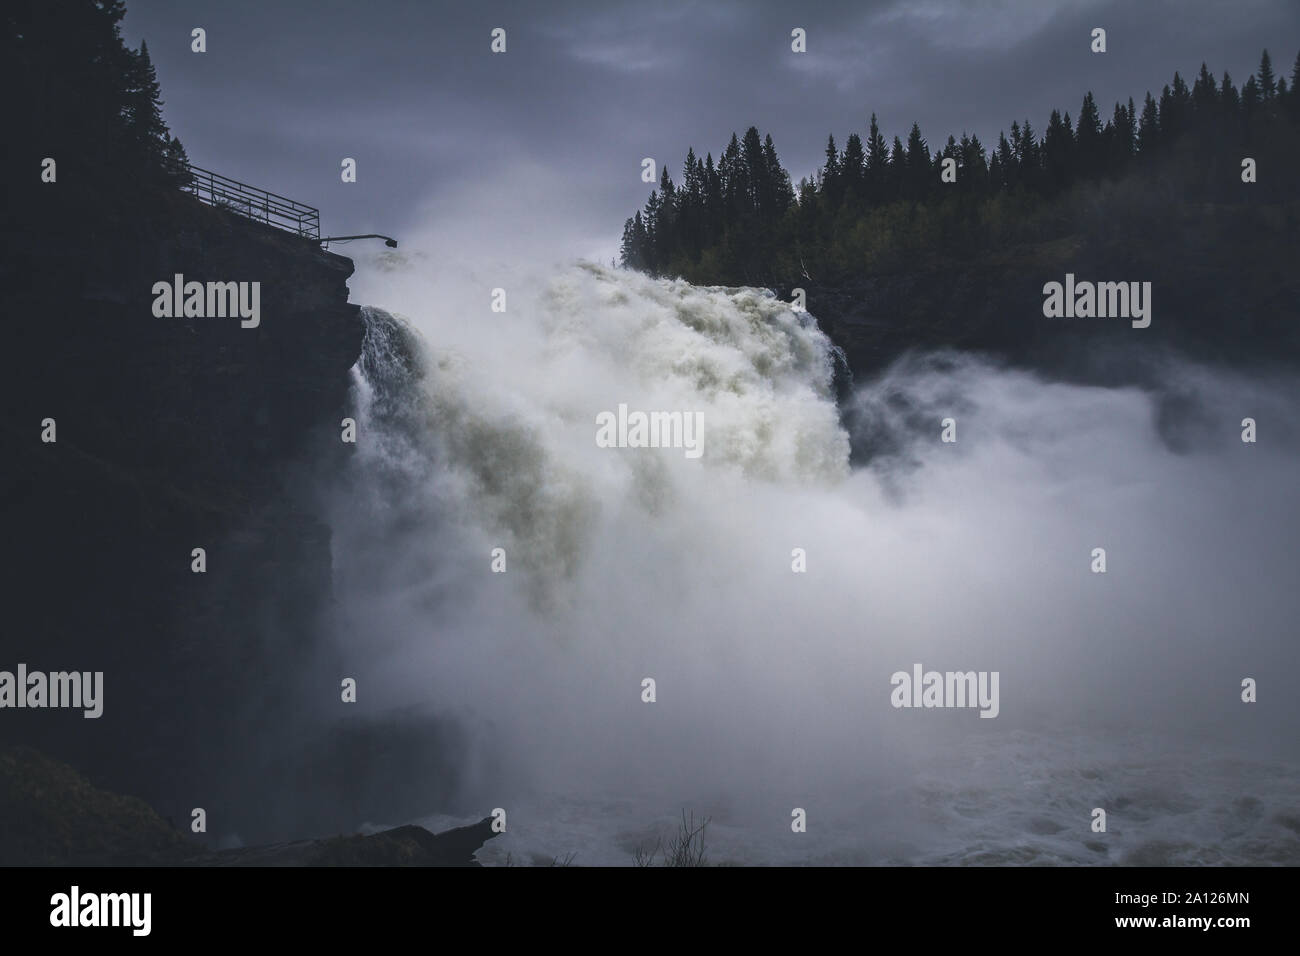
<point x="478" y="432"/>
<point x="1018" y="801"/>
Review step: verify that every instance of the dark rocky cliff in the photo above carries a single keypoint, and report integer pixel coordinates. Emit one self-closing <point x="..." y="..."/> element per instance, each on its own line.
<point x="1224" y="290"/>
<point x="172" y="434"/>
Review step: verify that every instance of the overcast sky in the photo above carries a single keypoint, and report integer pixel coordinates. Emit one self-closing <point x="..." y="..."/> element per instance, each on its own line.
<point x="548" y="137"/>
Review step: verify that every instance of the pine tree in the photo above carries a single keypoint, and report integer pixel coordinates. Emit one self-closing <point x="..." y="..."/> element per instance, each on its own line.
<point x="759" y="194"/>
<point x="690" y="205"/>
<point x="1057" y="152"/>
<point x="1229" y="100"/>
<point x="712" y="197"/>
<point x="1119" y="141"/>
<point x="1250" y="97"/>
<point x="69" y="86"/>
<point x="1087" y="138"/>
<point x="735" y="186"/>
<point x="691" y="175"/>
<point x="951" y="150"/>
<point x="897" y="170"/>
<point x="176" y="163"/>
<point x="1028" y="157"/>
<point x="853" y="170"/>
<point x="146" y="133"/>
<point x="996" y="179"/>
<point x="831" y="174"/>
<point x="1006" y="159"/>
<point x="1267" y="83"/>
<point x="878" y="160"/>
<point x="1148" y="125"/>
<point x="629" y="251"/>
<point x="781" y="193"/>
<point x="652" y="258"/>
<point x="1175" y="103"/>
<point x="853" y="162"/>
<point x="974" y="163"/>
<point x="1205" y="93"/>
<point x="75" y="91"/>
<point x="666" y="187"/>
<point x="918" y="163"/>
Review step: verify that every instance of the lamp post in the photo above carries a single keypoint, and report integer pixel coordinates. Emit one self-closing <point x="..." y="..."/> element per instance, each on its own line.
<point x="388" y="240"/>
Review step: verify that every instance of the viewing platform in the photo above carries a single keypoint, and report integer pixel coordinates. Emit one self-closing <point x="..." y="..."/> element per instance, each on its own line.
<point x="250" y="202"/>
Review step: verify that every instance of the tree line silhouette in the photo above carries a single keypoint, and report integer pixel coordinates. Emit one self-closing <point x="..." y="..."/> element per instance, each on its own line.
<point x="79" y="95"/>
<point x="877" y="206"/>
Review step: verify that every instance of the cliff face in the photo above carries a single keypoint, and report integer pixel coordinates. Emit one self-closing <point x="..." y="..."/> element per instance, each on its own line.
<point x="171" y="434"/>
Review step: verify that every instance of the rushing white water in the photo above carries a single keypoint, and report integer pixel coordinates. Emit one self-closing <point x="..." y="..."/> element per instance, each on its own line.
<point x="1120" y="690"/>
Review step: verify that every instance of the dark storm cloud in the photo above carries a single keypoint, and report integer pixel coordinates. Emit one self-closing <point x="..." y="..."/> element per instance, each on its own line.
<point x="586" y="90"/>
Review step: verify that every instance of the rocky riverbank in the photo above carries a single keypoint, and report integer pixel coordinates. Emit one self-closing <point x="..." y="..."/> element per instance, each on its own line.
<point x="52" y="816"/>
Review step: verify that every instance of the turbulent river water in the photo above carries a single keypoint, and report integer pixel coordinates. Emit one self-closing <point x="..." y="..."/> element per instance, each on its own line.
<point x="772" y="686"/>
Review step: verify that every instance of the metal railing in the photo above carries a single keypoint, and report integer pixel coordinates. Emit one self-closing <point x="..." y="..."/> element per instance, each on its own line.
<point x="256" y="204"/>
